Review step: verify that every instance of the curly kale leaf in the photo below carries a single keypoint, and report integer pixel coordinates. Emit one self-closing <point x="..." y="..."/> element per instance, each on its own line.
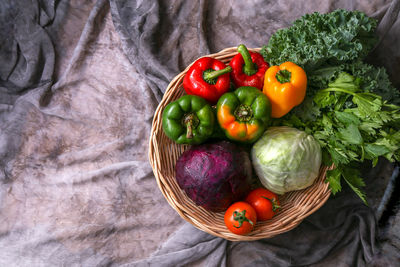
<point x="317" y="39"/>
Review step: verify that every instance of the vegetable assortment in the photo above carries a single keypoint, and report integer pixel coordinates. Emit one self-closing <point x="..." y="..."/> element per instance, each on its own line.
<point x="350" y="106"/>
<point x="306" y="99"/>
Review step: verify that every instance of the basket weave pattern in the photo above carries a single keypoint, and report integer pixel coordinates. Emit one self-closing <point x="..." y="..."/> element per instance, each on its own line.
<point x="163" y="154"/>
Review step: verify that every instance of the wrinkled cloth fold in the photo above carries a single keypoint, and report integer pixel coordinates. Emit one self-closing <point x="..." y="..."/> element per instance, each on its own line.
<point x="341" y="233"/>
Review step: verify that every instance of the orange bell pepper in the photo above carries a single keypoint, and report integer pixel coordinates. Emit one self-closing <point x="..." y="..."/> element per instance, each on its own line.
<point x="244" y="114"/>
<point x="285" y="86"/>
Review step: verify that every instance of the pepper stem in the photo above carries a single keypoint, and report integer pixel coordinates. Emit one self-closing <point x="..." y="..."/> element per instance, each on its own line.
<point x="190" y="121"/>
<point x="249" y="67"/>
<point x="211" y="76"/>
<point x="283" y="76"/>
<point x="274" y="203"/>
<point x="243" y="112"/>
<point x="240" y="217"/>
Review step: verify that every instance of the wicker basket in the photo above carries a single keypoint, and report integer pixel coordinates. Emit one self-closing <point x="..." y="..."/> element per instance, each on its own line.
<point x="163" y="154"/>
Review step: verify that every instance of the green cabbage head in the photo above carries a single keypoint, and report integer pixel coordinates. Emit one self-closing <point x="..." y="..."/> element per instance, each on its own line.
<point x="286" y="159"/>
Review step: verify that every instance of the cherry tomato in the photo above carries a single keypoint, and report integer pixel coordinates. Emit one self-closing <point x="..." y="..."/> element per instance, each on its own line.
<point x="240" y="218"/>
<point x="265" y="203"/>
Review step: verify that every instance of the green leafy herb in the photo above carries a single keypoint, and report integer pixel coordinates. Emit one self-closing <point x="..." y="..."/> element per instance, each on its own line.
<point x="366" y="128"/>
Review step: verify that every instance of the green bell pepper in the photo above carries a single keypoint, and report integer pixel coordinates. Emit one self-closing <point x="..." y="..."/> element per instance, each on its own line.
<point x="244" y="114"/>
<point x="188" y="120"/>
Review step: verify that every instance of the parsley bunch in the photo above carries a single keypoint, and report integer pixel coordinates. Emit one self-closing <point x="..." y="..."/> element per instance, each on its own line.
<point x="351" y="126"/>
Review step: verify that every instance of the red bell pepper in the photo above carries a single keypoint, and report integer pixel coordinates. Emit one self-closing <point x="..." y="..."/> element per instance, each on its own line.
<point x="207" y="78"/>
<point x="248" y="68"/>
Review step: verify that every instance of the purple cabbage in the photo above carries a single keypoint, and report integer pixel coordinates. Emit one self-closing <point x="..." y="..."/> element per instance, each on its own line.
<point x="214" y="175"/>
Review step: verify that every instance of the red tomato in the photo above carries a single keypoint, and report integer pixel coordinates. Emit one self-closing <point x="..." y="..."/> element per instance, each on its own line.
<point x="240" y="218"/>
<point x="264" y="202"/>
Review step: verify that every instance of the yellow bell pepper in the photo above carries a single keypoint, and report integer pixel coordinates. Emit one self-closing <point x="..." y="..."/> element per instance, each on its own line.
<point x="285" y="86"/>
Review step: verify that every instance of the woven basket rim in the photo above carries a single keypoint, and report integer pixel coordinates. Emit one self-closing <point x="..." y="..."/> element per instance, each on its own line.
<point x="297" y="205"/>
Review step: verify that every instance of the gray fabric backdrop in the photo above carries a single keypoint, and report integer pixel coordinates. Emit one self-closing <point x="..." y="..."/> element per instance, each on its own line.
<point x="79" y="84"/>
